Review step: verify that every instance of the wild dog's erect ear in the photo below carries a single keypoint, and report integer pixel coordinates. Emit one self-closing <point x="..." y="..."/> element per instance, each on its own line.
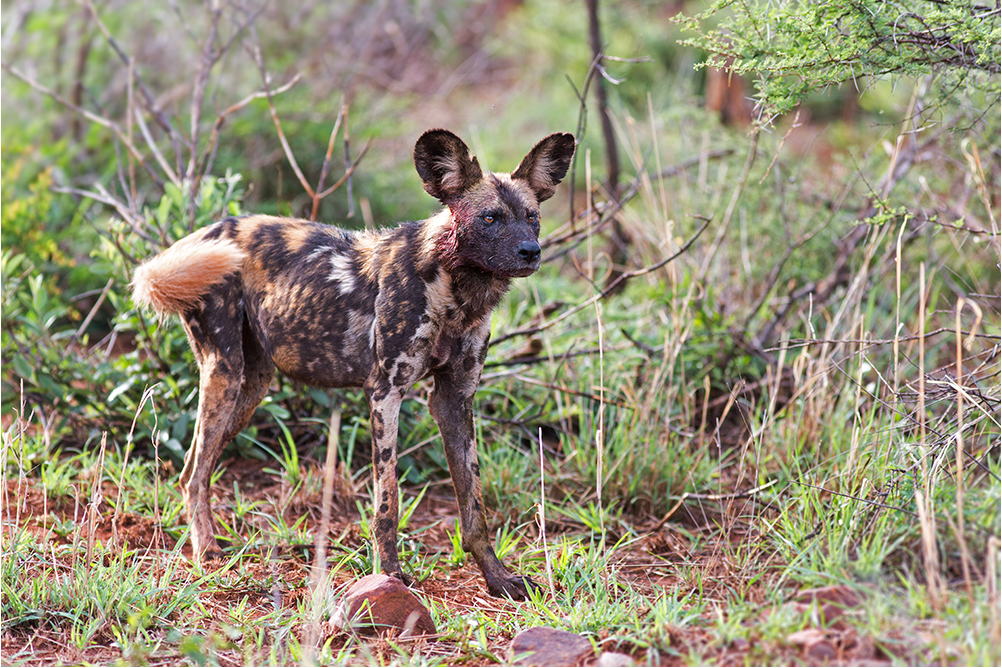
<point x="546" y="164"/>
<point x="445" y="164"/>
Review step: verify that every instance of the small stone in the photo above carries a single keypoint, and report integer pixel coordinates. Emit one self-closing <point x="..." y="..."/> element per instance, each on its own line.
<point x="740" y="644"/>
<point x="545" y="646"/>
<point x="815" y="644"/>
<point x="378" y="604"/>
<point x="839" y="595"/>
<point x="822" y="653"/>
<point x="614" y="660"/>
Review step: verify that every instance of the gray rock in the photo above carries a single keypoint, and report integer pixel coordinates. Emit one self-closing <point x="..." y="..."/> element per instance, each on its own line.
<point x="545" y="646"/>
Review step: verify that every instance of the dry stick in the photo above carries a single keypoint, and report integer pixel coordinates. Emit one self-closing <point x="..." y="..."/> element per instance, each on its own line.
<point x="158" y="531"/>
<point x="90" y="315"/>
<point x="579" y="133"/>
<point x="22" y="426"/>
<point x="560" y="388"/>
<point x="978" y="172"/>
<point x="209" y="58"/>
<point x="794" y="125"/>
<point x="327" y="160"/>
<point x="347" y="175"/>
<point x="94" y="118"/>
<point x="856" y="417"/>
<point x="130" y="113"/>
<point x="255" y="50"/>
<point x="542" y="518"/>
<point x="160" y="117"/>
<point x="147" y="395"/>
<point x="608" y="289"/>
<point x="210" y="150"/>
<point x="924" y="501"/>
<point x="913" y="419"/>
<point x="964" y="554"/>
<point x="738" y="188"/>
<point x="542" y="359"/>
<point x="897" y="304"/>
<point x="710" y="497"/>
<point x="104" y="197"/>
<point x="582" y="96"/>
<point x="600" y="432"/>
<point x="318" y="573"/>
<point x="559" y="236"/>
<point x="971" y="335"/>
<point x="155" y="150"/>
<point x="285" y="142"/>
<point x="347" y="164"/>
<point x="95" y="501"/>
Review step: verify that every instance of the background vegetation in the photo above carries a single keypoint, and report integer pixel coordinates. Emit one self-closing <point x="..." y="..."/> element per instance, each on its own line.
<point x="804" y="399"/>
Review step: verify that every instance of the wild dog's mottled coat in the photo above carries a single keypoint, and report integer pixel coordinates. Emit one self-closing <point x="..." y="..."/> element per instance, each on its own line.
<point x="333" y="308"/>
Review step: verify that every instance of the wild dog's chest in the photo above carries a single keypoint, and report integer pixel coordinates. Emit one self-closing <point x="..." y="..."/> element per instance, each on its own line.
<point x="445" y="325"/>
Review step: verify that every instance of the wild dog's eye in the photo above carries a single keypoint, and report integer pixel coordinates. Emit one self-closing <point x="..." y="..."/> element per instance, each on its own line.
<point x="488" y="219"/>
<point x="533" y="216"/>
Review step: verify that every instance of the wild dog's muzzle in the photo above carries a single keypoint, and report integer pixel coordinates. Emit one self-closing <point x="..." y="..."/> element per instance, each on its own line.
<point x="528" y="255"/>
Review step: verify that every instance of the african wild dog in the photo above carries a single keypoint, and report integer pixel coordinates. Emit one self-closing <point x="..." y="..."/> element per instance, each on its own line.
<point x="377" y="310"/>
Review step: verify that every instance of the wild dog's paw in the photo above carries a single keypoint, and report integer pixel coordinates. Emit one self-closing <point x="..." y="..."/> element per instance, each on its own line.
<point x="212" y="556"/>
<point x="403" y="577"/>
<point x="515" y="587"/>
<point x="208" y="551"/>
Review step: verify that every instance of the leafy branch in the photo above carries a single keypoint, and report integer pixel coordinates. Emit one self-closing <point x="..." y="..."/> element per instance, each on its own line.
<point x="800" y="47"/>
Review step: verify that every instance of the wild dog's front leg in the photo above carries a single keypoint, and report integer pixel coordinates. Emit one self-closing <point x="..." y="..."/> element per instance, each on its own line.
<point x="384" y="412"/>
<point x="452" y="407"/>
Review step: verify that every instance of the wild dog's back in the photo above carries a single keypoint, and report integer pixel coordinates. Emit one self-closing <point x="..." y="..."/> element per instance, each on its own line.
<point x="309" y="295"/>
<point x="305" y="289"/>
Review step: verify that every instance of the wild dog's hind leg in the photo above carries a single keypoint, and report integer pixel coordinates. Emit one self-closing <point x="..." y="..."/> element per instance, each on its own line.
<point x="259" y="369"/>
<point x="451" y="405"/>
<point x="215" y="330"/>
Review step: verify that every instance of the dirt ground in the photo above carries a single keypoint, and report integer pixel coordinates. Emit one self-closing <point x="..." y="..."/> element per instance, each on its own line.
<point x="650" y="565"/>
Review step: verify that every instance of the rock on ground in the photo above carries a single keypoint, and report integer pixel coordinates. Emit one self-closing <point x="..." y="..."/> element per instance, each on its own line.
<point x="545" y="646"/>
<point x="379" y="604"/>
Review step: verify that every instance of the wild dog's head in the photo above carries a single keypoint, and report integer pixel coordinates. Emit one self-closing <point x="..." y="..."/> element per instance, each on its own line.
<point x="495" y="217"/>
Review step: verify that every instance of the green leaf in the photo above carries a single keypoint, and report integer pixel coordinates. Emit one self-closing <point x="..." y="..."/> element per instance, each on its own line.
<point x="121" y="389"/>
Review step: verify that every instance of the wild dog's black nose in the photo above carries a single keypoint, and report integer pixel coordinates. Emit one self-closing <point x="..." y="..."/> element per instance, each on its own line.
<point x="529" y="251"/>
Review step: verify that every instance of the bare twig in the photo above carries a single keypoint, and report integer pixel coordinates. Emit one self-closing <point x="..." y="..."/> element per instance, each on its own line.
<point x="327" y="159"/>
<point x="567" y="390"/>
<point x="621" y="279"/>
<point x="710" y="497"/>
<point x="347" y="163"/>
<point x="582" y="95"/>
<point x="93" y="118"/>
<point x="351" y="170"/>
<point x="210" y="150"/>
<point x="209" y="58"/>
<point x="735" y="196"/>
<point x="151" y="105"/>
<point x="255" y="52"/>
